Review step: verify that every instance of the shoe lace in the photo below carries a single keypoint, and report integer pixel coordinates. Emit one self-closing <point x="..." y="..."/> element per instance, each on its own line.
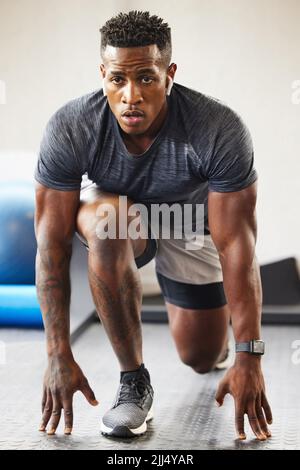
<point x="132" y="391"/>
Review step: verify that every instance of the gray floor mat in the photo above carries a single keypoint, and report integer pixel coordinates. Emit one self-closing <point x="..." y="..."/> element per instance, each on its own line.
<point x="185" y="413"/>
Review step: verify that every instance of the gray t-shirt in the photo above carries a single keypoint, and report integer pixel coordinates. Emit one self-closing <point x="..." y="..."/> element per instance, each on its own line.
<point x="203" y="146"/>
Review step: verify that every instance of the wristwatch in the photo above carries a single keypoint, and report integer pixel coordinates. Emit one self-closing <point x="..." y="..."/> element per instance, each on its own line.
<point x="255" y="346"/>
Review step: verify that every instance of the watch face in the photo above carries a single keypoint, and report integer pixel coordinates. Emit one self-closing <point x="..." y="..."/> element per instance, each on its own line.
<point x="258" y="347"/>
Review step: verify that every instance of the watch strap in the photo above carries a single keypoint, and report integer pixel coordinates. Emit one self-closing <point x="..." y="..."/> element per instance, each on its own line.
<point x="243" y="347"/>
<point x="255" y="346"/>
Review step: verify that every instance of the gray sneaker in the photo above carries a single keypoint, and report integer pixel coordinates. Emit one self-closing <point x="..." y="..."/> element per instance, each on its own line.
<point x="132" y="408"/>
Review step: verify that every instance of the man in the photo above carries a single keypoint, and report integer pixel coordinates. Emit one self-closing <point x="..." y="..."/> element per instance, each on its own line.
<point x="154" y="142"/>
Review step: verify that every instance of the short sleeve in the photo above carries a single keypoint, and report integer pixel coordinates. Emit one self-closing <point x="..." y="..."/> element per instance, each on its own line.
<point x="231" y="164"/>
<point x="57" y="167"/>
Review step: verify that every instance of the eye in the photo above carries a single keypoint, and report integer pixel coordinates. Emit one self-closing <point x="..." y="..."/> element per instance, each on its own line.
<point x="147" y="80"/>
<point x="116" y="80"/>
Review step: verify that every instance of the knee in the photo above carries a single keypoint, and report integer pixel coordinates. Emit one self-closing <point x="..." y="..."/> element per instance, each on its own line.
<point x="109" y="250"/>
<point x="203" y="368"/>
<point x="105" y="220"/>
<point x="201" y="365"/>
<point x="110" y="220"/>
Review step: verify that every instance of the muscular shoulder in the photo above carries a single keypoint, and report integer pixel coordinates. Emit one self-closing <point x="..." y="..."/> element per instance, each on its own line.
<point x="80" y="116"/>
<point x="69" y="142"/>
<point x="204" y="117"/>
<point x="219" y="140"/>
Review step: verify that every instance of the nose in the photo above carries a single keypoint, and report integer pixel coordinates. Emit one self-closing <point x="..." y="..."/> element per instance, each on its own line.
<point x="131" y="94"/>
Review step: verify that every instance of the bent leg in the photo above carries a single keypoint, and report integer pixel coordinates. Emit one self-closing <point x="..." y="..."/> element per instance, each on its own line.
<point x="200" y="335"/>
<point x="115" y="281"/>
<point x="87" y="219"/>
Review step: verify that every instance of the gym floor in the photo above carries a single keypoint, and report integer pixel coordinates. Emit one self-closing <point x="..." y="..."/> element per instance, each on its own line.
<point x="186" y="416"/>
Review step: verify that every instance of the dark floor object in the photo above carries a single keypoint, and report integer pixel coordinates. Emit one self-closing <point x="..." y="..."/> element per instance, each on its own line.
<point x="281" y="282"/>
<point x="154" y="311"/>
<point x="185" y="415"/>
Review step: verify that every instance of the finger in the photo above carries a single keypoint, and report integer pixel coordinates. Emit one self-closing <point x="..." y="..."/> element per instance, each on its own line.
<point x="47" y="412"/>
<point x="221" y="392"/>
<point x="68" y="416"/>
<point x="239" y="419"/>
<point x="55" y="415"/>
<point x="261" y="418"/>
<point x="266" y="408"/>
<point x="89" y="394"/>
<point x="254" y="423"/>
<point x="44" y="399"/>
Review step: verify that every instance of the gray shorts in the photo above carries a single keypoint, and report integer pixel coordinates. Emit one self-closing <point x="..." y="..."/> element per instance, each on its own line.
<point x="191" y="279"/>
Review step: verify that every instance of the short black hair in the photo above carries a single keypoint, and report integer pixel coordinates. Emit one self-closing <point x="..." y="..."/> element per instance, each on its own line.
<point x="137" y="29"/>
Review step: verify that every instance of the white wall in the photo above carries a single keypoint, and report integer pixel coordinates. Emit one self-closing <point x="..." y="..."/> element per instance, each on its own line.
<point x="243" y="52"/>
<point x="49" y="53"/>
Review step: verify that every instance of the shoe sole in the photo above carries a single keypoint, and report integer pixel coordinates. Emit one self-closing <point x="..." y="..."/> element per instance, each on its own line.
<point x="224" y="364"/>
<point x="228" y="361"/>
<point x="124" y="431"/>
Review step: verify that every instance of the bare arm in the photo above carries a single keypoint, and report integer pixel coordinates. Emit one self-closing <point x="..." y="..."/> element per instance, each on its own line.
<point x="55" y="218"/>
<point x="54" y="226"/>
<point x="232" y="222"/>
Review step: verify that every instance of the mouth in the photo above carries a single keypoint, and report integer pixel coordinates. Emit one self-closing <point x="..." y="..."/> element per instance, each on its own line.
<point x="132" y="118"/>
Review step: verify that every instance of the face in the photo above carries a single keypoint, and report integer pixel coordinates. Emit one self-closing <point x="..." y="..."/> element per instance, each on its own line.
<point x="136" y="81"/>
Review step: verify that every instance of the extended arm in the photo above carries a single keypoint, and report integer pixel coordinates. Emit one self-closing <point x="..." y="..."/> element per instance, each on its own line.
<point x="54" y="227"/>
<point x="232" y="222"/>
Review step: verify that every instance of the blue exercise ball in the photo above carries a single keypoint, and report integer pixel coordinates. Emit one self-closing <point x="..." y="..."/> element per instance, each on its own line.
<point x="17" y="239"/>
<point x="19" y="306"/>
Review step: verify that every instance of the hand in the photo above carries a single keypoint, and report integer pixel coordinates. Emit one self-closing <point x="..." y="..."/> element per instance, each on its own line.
<point x="63" y="378"/>
<point x="245" y="382"/>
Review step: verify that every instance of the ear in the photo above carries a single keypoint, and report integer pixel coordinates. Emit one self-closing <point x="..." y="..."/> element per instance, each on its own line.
<point x="169" y="87"/>
<point x="102" y="70"/>
<point x="170" y="77"/>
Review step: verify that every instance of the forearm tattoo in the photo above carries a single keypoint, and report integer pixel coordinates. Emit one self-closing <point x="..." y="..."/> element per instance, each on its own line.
<point x="54" y="291"/>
